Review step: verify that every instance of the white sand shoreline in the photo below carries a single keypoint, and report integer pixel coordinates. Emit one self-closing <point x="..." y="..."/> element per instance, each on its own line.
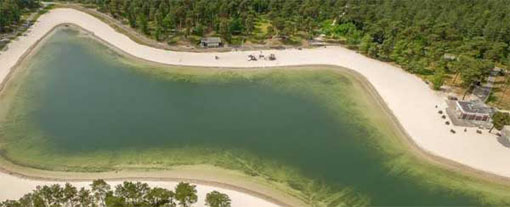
<point x="18" y="186"/>
<point x="408" y="97"/>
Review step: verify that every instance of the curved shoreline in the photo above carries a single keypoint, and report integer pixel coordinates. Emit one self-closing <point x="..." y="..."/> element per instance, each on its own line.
<point x="406" y="100"/>
<point x="247" y="188"/>
<point x="247" y="191"/>
<point x="271" y="192"/>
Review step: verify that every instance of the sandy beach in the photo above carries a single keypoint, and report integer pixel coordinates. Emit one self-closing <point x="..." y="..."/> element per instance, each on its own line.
<point x="19" y="186"/>
<point x="411" y="100"/>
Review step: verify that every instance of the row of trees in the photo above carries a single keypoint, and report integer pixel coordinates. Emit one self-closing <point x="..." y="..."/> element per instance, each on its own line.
<point x="226" y="18"/>
<point x="126" y="194"/>
<point x="416" y="34"/>
<point x="11" y="11"/>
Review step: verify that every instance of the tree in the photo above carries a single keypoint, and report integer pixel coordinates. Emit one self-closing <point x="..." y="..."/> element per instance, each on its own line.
<point x="143" y="22"/>
<point x="198" y="30"/>
<point x="157" y="33"/>
<point x="99" y="190"/>
<point x="249" y="24"/>
<point x="160" y="197"/>
<point x="115" y="201"/>
<point x="279" y="25"/>
<point x="49" y="195"/>
<point x="270" y="32"/>
<point x="438" y="79"/>
<point x="168" y="23"/>
<point x="499" y="120"/>
<point x="186" y="194"/>
<point x="224" y="30"/>
<point x="366" y="44"/>
<point x="127" y="194"/>
<point x="473" y="70"/>
<point x="506" y="83"/>
<point x="114" y="8"/>
<point x="133" y="193"/>
<point x="131" y="16"/>
<point x="70" y="194"/>
<point x="217" y="199"/>
<point x="236" y="26"/>
<point x="11" y="203"/>
<point x="84" y="197"/>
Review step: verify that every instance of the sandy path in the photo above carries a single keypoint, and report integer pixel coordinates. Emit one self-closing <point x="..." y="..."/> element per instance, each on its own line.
<point x="409" y="98"/>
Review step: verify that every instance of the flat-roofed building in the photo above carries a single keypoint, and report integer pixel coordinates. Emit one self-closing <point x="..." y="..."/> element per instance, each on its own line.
<point x="210" y="42"/>
<point x="472" y="110"/>
<point x="449" y="56"/>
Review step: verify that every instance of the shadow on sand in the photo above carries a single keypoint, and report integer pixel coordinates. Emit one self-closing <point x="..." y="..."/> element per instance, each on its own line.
<point x="504" y="141"/>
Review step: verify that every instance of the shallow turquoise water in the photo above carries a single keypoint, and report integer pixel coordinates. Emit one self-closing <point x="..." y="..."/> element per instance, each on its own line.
<point x="84" y="101"/>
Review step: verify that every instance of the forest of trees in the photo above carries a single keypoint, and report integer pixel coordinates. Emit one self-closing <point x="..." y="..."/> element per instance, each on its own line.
<point x="11" y="11"/>
<point x="127" y="194"/>
<point x="415" y="34"/>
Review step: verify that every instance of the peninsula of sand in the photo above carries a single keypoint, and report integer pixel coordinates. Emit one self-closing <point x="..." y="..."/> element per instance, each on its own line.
<point x="412" y="102"/>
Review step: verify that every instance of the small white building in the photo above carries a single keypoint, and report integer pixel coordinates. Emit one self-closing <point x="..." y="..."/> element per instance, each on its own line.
<point x="449" y="56"/>
<point x="473" y="111"/>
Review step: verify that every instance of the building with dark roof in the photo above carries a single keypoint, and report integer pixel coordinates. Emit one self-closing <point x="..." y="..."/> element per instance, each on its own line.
<point x="472" y="110"/>
<point x="211" y="42"/>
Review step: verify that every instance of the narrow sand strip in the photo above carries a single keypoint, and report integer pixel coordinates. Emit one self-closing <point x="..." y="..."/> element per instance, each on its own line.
<point x="17" y="187"/>
<point x="408" y="97"/>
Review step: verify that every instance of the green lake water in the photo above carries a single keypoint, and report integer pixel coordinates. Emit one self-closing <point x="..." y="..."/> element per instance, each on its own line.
<point x="78" y="103"/>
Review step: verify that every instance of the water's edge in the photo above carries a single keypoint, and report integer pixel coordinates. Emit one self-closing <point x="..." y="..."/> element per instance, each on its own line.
<point x="413" y="148"/>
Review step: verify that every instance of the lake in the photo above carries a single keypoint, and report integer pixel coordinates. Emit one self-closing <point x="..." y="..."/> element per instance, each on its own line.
<point x="76" y="105"/>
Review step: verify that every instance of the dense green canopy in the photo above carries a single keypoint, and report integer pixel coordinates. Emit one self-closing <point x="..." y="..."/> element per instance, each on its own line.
<point x="416" y="34"/>
<point x="11" y="10"/>
<point x="500" y="119"/>
<point x="127" y="194"/>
